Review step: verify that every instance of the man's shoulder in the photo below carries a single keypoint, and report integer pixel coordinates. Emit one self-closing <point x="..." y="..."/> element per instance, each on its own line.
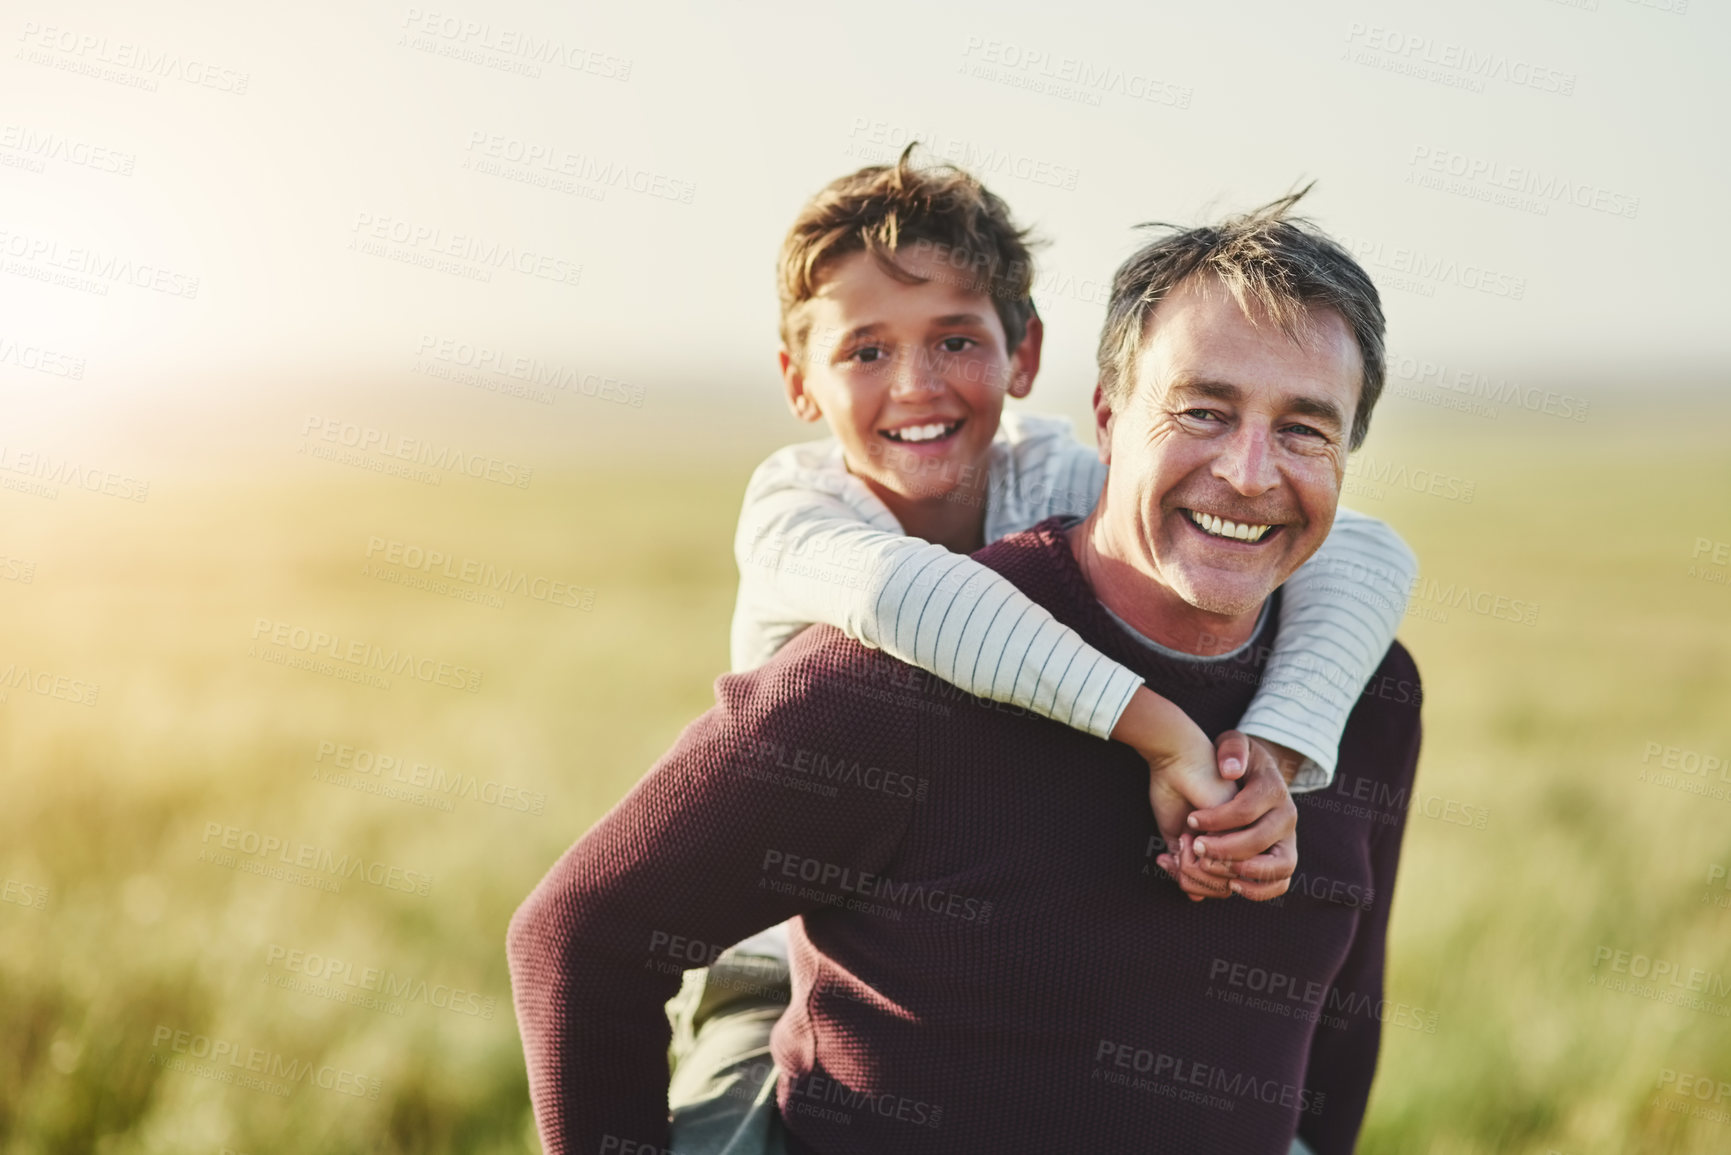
<point x="1037" y="560"/>
<point x="822" y="675"/>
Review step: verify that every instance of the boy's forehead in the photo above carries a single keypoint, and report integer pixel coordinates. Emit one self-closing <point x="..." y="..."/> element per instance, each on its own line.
<point x="856" y="290"/>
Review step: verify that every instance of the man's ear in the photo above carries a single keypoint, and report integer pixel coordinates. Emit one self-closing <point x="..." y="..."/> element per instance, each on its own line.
<point x="1103" y="424"/>
<point x="793" y="381"/>
<point x="1025" y="361"/>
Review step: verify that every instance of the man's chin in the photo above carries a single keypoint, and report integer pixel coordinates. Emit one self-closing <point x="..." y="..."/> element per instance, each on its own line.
<point x="1227" y="595"/>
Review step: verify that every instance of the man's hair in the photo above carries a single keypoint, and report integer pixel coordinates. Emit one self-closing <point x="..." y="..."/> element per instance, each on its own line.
<point x="884" y="208"/>
<point x="1276" y="266"/>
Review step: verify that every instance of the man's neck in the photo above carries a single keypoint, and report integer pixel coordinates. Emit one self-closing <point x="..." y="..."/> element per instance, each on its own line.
<point x="1149" y="605"/>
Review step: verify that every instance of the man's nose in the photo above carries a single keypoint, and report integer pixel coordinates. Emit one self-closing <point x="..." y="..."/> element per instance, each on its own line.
<point x="1246" y="462"/>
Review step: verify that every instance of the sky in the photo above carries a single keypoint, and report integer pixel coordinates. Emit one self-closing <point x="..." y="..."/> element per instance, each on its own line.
<point x="221" y="221"/>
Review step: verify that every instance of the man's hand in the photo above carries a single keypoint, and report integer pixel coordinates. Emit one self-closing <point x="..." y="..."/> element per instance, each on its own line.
<point x="1182" y="774"/>
<point x="1247" y="846"/>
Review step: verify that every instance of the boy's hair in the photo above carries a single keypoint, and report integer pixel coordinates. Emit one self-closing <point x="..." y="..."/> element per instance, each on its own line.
<point x="1274" y="265"/>
<point x="883" y="208"/>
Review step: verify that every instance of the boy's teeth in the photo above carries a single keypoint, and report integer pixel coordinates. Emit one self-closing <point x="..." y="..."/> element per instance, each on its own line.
<point x="1220" y="527"/>
<point x="921" y="432"/>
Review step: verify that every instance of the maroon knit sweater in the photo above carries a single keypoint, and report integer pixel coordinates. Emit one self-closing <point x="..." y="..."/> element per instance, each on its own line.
<point x="987" y="958"/>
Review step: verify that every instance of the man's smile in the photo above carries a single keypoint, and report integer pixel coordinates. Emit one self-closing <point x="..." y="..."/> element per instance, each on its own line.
<point x="1214" y="526"/>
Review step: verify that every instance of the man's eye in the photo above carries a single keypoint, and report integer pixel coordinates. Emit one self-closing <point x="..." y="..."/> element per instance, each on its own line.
<point x="957" y="344"/>
<point x="1202" y="414"/>
<point x="1306" y="430"/>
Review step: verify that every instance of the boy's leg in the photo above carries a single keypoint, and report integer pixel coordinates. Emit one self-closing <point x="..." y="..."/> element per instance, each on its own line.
<point x="722" y="1093"/>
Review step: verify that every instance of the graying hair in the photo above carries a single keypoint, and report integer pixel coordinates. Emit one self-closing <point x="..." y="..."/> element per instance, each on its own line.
<point x="1276" y="266"/>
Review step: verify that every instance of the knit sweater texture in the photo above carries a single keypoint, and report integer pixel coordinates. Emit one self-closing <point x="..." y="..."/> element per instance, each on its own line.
<point x="986" y="958"/>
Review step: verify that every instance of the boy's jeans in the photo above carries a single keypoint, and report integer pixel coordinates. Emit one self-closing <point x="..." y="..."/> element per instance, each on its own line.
<point x="723" y="1088"/>
<point x="722" y="1093"/>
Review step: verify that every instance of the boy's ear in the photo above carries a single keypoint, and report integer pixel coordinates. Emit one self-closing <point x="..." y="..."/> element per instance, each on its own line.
<point x="1103" y="424"/>
<point x="793" y="381"/>
<point x="1025" y="361"/>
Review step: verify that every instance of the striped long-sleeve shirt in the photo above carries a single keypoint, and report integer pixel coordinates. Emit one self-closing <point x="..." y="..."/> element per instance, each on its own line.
<point x="816" y="545"/>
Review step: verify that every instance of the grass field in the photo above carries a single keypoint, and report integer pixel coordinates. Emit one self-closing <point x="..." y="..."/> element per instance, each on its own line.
<point x="136" y="911"/>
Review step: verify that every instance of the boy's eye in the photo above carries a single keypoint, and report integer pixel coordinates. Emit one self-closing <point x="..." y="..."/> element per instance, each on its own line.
<point x="868" y="354"/>
<point x="957" y="344"/>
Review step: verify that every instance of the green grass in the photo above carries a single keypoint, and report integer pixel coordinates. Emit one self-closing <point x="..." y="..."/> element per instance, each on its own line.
<point x="1495" y="930"/>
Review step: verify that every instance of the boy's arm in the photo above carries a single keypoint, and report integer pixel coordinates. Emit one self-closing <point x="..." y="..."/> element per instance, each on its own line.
<point x="806" y="556"/>
<point x="694" y="858"/>
<point x="1338" y="616"/>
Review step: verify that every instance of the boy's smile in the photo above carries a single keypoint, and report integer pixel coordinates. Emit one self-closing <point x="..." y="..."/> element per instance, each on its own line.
<point x="911" y="376"/>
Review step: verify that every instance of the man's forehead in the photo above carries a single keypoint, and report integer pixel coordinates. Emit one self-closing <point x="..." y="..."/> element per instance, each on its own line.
<point x="1200" y="337"/>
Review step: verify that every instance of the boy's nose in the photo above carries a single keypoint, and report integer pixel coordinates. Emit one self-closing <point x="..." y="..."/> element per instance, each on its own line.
<point x="912" y="376"/>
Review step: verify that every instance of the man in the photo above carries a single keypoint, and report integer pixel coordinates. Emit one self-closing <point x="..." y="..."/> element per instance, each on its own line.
<point x="985" y="959"/>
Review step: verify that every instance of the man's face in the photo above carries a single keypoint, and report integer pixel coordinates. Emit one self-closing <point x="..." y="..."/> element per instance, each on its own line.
<point x="1226" y="459"/>
<point x="911" y="377"/>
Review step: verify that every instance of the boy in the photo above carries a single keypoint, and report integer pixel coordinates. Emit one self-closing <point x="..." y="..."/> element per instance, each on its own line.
<point x="906" y="318"/>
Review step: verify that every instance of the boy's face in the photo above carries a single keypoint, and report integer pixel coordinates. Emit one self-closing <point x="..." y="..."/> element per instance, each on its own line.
<point x="910" y="377"/>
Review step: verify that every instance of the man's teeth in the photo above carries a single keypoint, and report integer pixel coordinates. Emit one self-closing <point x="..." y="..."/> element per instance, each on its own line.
<point x="1220" y="527"/>
<point x="922" y="432"/>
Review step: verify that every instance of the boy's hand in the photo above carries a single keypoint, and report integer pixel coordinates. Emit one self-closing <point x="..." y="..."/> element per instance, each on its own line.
<point x="1182" y="774"/>
<point x="1249" y="845"/>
